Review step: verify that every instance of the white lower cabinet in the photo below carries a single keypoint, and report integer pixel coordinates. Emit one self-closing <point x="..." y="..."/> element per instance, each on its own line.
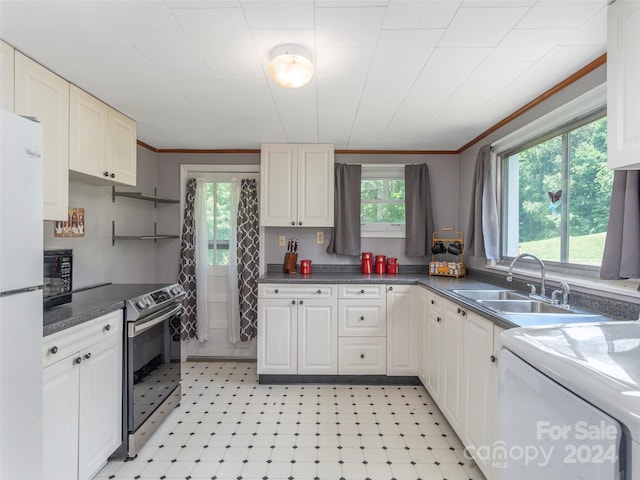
<point x="82" y="393"/>
<point x="480" y="389"/>
<point x="422" y="300"/>
<point x="460" y="373"/>
<point x="362" y="341"/>
<point x="297" y="329"/>
<point x="402" y="324"/>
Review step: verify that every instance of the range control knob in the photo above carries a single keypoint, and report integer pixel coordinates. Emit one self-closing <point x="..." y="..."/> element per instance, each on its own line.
<point x="174" y="291"/>
<point x="140" y="303"/>
<point x="148" y="301"/>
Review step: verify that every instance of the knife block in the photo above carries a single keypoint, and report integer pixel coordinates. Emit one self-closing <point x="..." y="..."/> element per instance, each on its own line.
<point x="290" y="260"/>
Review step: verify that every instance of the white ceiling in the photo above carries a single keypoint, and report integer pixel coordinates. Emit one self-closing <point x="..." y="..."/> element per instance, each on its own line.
<point x="390" y="74"/>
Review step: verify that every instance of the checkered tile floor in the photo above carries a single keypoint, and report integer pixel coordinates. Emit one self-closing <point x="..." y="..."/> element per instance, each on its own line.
<point x="228" y="427"/>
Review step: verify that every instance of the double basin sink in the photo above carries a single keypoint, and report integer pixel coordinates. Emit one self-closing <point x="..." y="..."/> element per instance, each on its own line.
<point x="510" y="302"/>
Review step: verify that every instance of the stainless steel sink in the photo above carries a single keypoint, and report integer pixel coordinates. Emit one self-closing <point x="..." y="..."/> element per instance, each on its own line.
<point x="525" y="306"/>
<point x="491" y="294"/>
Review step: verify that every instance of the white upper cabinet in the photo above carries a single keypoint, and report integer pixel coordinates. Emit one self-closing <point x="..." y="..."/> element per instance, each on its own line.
<point x="297" y="185"/>
<point x="623" y="84"/>
<point x="6" y="76"/>
<point x="42" y="94"/>
<point x="102" y="141"/>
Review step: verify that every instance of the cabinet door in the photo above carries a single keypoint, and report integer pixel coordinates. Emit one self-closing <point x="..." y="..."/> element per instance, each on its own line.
<point x="6" y="77"/>
<point x="61" y="387"/>
<point x="422" y="319"/>
<point x="42" y="94"/>
<point x="435" y="352"/>
<point x="316" y="185"/>
<point x="317" y="337"/>
<point x="100" y="418"/>
<point x="452" y="365"/>
<point x="278" y="185"/>
<point x="123" y="148"/>
<point x="278" y="336"/>
<point x="402" y="342"/>
<point x="88" y="142"/>
<point x="623" y="84"/>
<point x="480" y="389"/>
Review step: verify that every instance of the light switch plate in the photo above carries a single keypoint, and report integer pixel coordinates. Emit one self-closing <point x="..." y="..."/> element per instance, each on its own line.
<point x="319" y="237"/>
<point x="281" y="240"/>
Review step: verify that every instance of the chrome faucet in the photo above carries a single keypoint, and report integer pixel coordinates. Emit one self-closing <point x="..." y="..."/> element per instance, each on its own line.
<point x="565" y="294"/>
<point x="542" y="272"/>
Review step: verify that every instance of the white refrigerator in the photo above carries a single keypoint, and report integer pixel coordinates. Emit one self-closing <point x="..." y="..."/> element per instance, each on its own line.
<point x="21" y="263"/>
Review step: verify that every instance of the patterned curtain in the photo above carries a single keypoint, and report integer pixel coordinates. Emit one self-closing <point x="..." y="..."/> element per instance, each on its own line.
<point x="248" y="266"/>
<point x="186" y="329"/>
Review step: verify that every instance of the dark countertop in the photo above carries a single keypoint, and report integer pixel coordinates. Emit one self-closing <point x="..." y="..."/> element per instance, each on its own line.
<point x="92" y="303"/>
<point x="443" y="286"/>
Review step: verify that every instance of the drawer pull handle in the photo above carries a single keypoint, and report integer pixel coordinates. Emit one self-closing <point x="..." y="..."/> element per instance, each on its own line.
<point x="77" y="360"/>
<point x="53" y="350"/>
<point x="438" y="319"/>
<point x="276" y="291"/>
<point x="433" y="302"/>
<point x="319" y="292"/>
<point x="390" y="288"/>
<point x="362" y="355"/>
<point x="362" y="318"/>
<point x="493" y="358"/>
<point x="362" y="291"/>
<point x="107" y="327"/>
<point x="87" y="356"/>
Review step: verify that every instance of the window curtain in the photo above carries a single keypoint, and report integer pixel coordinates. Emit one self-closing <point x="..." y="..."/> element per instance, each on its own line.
<point x="345" y="237"/>
<point x="483" y="232"/>
<point x="233" y="318"/>
<point x="419" y="214"/>
<point x="248" y="250"/>
<point x="186" y="327"/>
<point x="621" y="258"/>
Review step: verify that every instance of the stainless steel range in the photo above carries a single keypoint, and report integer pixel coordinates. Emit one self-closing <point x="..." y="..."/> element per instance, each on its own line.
<point x="152" y="371"/>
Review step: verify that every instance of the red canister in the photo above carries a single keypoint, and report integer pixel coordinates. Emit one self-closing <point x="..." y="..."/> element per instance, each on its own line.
<point x="392" y="265"/>
<point x="381" y="264"/>
<point x="305" y="267"/>
<point x="367" y="262"/>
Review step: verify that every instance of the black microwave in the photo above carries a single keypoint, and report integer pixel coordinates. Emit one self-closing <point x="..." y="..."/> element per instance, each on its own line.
<point x="58" y="277"/>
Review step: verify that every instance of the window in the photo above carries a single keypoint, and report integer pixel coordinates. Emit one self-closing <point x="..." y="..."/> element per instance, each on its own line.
<point x="218" y="196"/>
<point x="382" y="209"/>
<point x="556" y="194"/>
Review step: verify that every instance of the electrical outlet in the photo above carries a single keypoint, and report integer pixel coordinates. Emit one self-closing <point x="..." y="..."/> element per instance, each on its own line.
<point x="281" y="241"/>
<point x="320" y="237"/>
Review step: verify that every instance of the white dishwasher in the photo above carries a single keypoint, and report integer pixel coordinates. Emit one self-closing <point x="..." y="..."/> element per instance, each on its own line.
<point x="570" y="403"/>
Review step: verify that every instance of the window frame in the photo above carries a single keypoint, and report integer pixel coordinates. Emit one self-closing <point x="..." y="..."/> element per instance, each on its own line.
<point x="579" y="112"/>
<point x="382" y="172"/>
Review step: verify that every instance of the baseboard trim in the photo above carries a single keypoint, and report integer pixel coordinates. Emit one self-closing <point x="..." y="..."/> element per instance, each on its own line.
<point x="275" y="379"/>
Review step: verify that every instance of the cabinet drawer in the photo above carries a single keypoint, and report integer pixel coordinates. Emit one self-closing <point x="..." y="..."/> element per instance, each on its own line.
<point x="60" y="345"/>
<point x="363" y="318"/>
<point x="290" y="290"/>
<point x="362" y="291"/>
<point x="362" y="356"/>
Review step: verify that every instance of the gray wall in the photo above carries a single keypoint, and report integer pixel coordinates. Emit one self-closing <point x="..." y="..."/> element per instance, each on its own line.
<point x="443" y="171"/>
<point x="443" y="176"/>
<point x="95" y="260"/>
<point x="467" y="158"/>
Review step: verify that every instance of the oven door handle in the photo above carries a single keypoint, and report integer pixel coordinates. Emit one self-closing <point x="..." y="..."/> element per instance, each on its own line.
<point x="138" y="329"/>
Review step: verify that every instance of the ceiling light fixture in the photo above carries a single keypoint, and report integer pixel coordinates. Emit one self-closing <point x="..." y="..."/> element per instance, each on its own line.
<point x="291" y="66"/>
